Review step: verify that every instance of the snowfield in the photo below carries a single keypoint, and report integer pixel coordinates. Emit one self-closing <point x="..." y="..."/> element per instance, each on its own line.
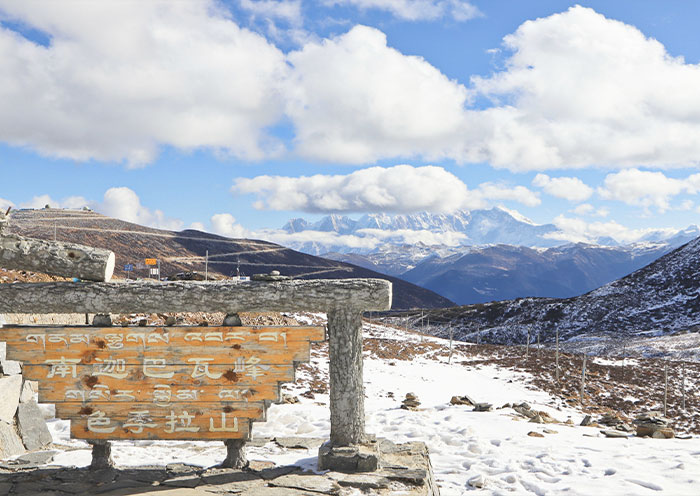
<point x="568" y="459"/>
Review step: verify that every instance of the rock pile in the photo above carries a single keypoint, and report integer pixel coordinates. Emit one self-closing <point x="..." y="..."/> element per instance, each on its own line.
<point x="22" y="425"/>
<point x="614" y="421"/>
<point x="534" y="416"/>
<point x="410" y="402"/>
<point x="462" y="400"/>
<point x="653" y="424"/>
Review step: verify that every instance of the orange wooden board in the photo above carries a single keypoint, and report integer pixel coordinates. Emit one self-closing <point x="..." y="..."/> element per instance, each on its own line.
<point x="160" y="393"/>
<point x="65" y="374"/>
<point x="22" y="339"/>
<point x="179" y="426"/>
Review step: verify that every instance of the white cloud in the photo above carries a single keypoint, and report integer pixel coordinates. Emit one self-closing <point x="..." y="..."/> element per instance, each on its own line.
<point x="41" y="201"/>
<point x="199" y="226"/>
<point x="354" y="99"/>
<point x="588" y="209"/>
<point x="417" y="10"/>
<point x="120" y="78"/>
<point x="578" y="230"/>
<point x="289" y="11"/>
<point x="400" y="189"/>
<point x="581" y="90"/>
<point x="123" y="203"/>
<point x="647" y="189"/>
<point x="226" y="225"/>
<point x="520" y="194"/>
<point x="5" y="204"/>
<point x="569" y="188"/>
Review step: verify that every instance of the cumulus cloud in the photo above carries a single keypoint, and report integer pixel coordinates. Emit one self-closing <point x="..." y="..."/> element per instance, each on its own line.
<point x="289" y="11"/>
<point x="40" y="201"/>
<point x="121" y="78"/>
<point x="417" y="10"/>
<point x="569" y="188"/>
<point x="123" y="203"/>
<point x="580" y="89"/>
<point x="646" y="188"/>
<point x="588" y="209"/>
<point x="354" y="99"/>
<point x="5" y="204"/>
<point x="226" y="225"/>
<point x="520" y="194"/>
<point x="578" y="230"/>
<point x="399" y="189"/>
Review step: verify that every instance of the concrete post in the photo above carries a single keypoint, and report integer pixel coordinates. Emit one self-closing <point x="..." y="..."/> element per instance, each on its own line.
<point x="101" y="450"/>
<point x="347" y="394"/>
<point x="235" y="448"/>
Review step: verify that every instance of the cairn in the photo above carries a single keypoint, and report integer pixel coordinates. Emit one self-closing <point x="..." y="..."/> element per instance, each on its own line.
<point x="410" y="402"/>
<point x="612" y="420"/>
<point x="653" y="424"/>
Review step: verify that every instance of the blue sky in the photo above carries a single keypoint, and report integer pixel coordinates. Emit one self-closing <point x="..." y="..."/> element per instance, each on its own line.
<point x="210" y="114"/>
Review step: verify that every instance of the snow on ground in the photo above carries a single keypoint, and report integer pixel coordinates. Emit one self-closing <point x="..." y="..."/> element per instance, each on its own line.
<point x="463" y="444"/>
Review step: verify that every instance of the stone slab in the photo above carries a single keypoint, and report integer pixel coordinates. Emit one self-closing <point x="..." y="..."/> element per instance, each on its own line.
<point x="311" y="483"/>
<point x="11" y="367"/>
<point x="10" y="442"/>
<point x="299" y="442"/>
<point x="29" y="390"/>
<point x="10" y="388"/>
<point x="32" y="426"/>
<point x="349" y="459"/>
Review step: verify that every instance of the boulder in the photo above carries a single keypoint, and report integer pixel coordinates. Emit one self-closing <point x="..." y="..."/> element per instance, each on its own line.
<point x="10" y="388"/>
<point x="10" y="442"/>
<point x="462" y="400"/>
<point x="483" y="407"/>
<point x="29" y="390"/>
<point x="32" y="426"/>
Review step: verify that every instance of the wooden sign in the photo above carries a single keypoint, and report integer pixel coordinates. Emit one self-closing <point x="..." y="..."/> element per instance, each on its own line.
<point x="160" y="382"/>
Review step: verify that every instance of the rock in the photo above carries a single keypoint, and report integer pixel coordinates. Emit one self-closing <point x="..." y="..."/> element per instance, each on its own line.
<point x="348" y="459"/>
<point x="170" y="320"/>
<point x="614" y="434"/>
<point x="3" y="347"/>
<point x="32" y="426"/>
<point x="664" y="433"/>
<point x="11" y="367"/>
<point x="462" y="400"/>
<point x="30" y="460"/>
<point x="10" y="388"/>
<point x="10" y="442"/>
<point x="549" y="431"/>
<point x="288" y="398"/>
<point x="363" y="482"/>
<point x="525" y="412"/>
<point x="477" y="481"/>
<point x="273" y="472"/>
<point x="183" y="481"/>
<point x="648" y="423"/>
<point x="299" y="442"/>
<point x="313" y="483"/>
<point x="586" y="421"/>
<point x="537" y="419"/>
<point x="410" y="402"/>
<point x="29" y="390"/>
<point x="483" y="407"/>
<point x="535" y="434"/>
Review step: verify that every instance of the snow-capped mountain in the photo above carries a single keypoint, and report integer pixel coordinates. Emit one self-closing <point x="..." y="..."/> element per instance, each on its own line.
<point x="662" y="297"/>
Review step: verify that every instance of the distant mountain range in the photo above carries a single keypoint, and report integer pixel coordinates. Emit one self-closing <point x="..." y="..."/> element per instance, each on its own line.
<point x="501" y="254"/>
<point x="185" y="251"/>
<point x="661" y="298"/>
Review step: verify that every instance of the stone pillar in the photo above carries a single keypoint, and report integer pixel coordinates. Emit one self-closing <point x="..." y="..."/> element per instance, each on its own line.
<point x="101" y="450"/>
<point x="235" y="448"/>
<point x="347" y="393"/>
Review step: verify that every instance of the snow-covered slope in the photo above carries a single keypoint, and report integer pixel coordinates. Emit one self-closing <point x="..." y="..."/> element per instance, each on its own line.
<point x="464" y="444"/>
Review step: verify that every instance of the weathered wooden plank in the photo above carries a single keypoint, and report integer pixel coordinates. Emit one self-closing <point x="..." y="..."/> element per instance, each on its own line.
<point x="55" y="258"/>
<point x="79" y="392"/>
<point x="236" y="428"/>
<point x="321" y="295"/>
<point x="69" y="411"/>
<point x="184" y="356"/>
<point x="64" y="374"/>
<point x="27" y="341"/>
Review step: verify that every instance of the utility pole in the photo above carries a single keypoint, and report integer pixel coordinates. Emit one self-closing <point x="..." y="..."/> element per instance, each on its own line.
<point x="206" y="266"/>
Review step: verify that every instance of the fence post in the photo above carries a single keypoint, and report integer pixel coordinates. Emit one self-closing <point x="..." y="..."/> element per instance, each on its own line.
<point x="583" y="378"/>
<point x="527" y="344"/>
<point x="449" y="358"/>
<point x="556" y="355"/>
<point x="539" y="350"/>
<point x="235" y="448"/>
<point x="101" y="449"/>
<point x="665" y="387"/>
<point x="683" y="385"/>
